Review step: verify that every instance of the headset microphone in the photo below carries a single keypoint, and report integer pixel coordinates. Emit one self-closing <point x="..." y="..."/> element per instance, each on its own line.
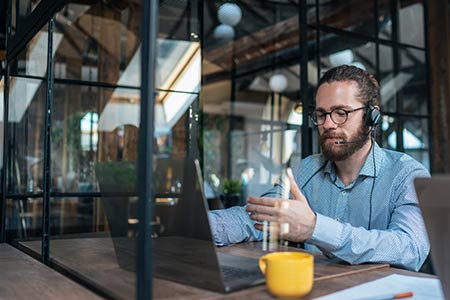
<point x="371" y="119"/>
<point x="345" y="142"/>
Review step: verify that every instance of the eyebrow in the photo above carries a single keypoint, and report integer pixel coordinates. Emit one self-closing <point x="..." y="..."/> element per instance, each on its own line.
<point x="335" y="107"/>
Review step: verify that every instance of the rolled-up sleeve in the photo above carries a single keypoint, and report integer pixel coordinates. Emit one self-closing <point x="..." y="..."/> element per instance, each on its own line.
<point x="232" y="225"/>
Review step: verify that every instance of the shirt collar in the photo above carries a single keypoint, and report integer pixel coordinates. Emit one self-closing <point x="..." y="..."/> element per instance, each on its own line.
<point x="369" y="168"/>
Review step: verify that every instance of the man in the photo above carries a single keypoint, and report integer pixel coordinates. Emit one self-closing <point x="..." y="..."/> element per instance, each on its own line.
<point x="354" y="201"/>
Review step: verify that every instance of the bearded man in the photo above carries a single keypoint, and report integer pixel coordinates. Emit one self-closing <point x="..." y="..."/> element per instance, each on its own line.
<point x="354" y="201"/>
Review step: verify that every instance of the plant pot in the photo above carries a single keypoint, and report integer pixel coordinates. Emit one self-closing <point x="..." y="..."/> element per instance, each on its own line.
<point x="230" y="200"/>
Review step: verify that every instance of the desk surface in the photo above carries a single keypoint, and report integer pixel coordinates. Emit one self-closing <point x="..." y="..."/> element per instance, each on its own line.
<point x="94" y="260"/>
<point x="23" y="277"/>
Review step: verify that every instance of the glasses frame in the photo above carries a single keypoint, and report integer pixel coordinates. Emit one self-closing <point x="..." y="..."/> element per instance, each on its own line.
<point x="316" y="122"/>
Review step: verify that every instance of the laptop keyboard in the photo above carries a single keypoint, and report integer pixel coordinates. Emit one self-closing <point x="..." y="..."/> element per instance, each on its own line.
<point x="233" y="273"/>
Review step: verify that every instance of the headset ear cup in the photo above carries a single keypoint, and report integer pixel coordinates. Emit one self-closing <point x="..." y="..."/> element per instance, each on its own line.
<point x="373" y="116"/>
<point x="376" y="116"/>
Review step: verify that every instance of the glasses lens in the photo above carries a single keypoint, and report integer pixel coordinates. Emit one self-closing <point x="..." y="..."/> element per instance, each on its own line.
<point x="339" y="116"/>
<point x="317" y="117"/>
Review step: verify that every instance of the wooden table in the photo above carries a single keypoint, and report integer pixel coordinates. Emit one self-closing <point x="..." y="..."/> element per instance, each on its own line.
<point x="23" y="277"/>
<point x="93" y="260"/>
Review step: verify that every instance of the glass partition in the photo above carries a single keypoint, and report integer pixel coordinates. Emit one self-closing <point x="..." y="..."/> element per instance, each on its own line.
<point x="235" y="97"/>
<point x="251" y="83"/>
<point x="398" y="19"/>
<point x="95" y="118"/>
<point x="336" y="15"/>
<point x="25" y="165"/>
<point x="251" y="91"/>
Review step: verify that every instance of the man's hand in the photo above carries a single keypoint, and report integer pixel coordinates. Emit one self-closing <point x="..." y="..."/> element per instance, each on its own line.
<point x="296" y="213"/>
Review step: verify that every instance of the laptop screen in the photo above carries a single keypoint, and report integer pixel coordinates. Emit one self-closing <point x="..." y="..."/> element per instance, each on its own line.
<point x="183" y="249"/>
<point x="434" y="200"/>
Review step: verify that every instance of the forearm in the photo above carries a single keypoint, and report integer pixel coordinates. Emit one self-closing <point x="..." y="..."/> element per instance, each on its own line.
<point x="399" y="247"/>
<point x="233" y="225"/>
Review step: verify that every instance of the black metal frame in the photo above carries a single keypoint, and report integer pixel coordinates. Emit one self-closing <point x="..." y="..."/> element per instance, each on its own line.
<point x="5" y="130"/>
<point x="45" y="246"/>
<point x="305" y="97"/>
<point x="144" y="241"/>
<point x="427" y="63"/>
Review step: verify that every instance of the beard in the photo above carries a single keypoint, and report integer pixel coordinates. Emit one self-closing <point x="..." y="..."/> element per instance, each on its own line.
<point x="332" y="152"/>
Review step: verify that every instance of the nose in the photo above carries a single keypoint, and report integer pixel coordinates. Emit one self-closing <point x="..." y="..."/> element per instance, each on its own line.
<point x="328" y="122"/>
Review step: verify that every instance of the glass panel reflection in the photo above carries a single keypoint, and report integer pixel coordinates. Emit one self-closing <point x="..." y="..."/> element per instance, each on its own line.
<point x="259" y="157"/>
<point x="24" y="219"/>
<point x="336" y="14"/>
<point x="410" y="13"/>
<point x="389" y="129"/>
<point x="339" y="50"/>
<point x="87" y="51"/>
<point x="20" y="10"/>
<point x="388" y="80"/>
<point x="26" y="119"/>
<point x="91" y="124"/>
<point x="32" y="61"/>
<point x="407" y="82"/>
<point x="269" y="30"/>
<point x="414" y="90"/>
<point x="416" y="140"/>
<point x="178" y="66"/>
<point x="99" y="42"/>
<point x="415" y="137"/>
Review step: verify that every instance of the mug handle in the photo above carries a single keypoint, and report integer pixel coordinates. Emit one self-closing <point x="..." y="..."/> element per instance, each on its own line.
<point x="262" y="264"/>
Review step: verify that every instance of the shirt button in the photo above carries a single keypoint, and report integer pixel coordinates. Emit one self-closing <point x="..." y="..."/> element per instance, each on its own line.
<point x="337" y="219"/>
<point x="344" y="193"/>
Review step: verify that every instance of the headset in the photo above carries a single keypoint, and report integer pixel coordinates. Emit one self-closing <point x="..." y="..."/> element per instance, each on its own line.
<point x="372" y="116"/>
<point x="372" y="119"/>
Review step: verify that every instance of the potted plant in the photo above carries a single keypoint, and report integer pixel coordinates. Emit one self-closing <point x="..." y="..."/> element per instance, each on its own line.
<point x="231" y="193"/>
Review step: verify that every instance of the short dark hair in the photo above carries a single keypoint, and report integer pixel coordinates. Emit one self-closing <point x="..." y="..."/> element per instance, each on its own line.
<point x="368" y="86"/>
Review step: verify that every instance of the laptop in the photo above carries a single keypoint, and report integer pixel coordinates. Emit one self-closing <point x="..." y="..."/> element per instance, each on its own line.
<point x="183" y="247"/>
<point x="434" y="201"/>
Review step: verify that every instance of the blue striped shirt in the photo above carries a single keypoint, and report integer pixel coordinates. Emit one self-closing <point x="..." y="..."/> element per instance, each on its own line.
<point x="382" y="194"/>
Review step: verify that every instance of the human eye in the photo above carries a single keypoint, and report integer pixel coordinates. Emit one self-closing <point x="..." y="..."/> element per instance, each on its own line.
<point x="340" y="113"/>
<point x="320" y="115"/>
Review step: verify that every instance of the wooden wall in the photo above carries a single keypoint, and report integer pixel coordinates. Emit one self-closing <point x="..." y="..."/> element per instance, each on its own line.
<point x="439" y="61"/>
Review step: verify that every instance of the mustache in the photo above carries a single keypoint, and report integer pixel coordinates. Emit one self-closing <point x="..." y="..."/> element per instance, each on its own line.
<point x="327" y="135"/>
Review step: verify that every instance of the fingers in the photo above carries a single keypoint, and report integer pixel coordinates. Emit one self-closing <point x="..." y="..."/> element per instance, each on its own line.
<point x="265" y="201"/>
<point x="267" y="210"/>
<point x="259" y="226"/>
<point x="261" y="218"/>
<point x="295" y="190"/>
<point x="273" y="213"/>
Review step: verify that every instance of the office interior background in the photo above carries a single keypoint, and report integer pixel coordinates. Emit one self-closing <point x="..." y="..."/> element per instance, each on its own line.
<point x="234" y="84"/>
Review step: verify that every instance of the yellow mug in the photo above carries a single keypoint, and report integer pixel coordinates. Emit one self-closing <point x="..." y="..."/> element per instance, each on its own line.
<point x="288" y="274"/>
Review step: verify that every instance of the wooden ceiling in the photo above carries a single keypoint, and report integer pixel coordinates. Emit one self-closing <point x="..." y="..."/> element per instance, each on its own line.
<point x="285" y="34"/>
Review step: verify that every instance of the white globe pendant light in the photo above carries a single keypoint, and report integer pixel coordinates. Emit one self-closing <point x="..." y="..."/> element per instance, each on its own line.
<point x="224" y="32"/>
<point x="229" y="14"/>
<point x="278" y="83"/>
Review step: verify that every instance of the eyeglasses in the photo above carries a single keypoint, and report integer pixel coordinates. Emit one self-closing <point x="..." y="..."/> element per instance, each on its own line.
<point x="338" y="115"/>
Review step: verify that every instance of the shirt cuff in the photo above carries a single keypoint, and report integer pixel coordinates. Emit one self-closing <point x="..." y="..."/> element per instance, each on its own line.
<point x="327" y="234"/>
